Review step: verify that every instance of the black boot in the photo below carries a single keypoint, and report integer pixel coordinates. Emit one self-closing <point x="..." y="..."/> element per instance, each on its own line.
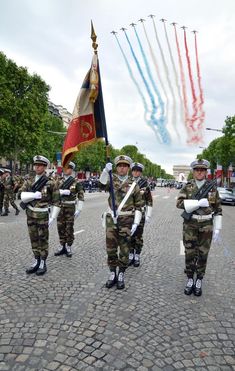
<point x="189" y="287"/>
<point x="68" y="251"/>
<point x="42" y="268"/>
<point x="17" y="212"/>
<point x="61" y="250"/>
<point x="34" y="267"/>
<point x="197" y="288"/>
<point x="120" y="279"/>
<point x="5" y="213"/>
<point x="1" y="211"/>
<point x="112" y="278"/>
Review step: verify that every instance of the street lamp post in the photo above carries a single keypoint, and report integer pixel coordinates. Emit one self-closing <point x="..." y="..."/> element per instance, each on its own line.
<point x="214" y="129"/>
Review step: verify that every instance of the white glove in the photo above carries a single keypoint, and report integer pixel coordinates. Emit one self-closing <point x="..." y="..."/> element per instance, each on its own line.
<point x="147" y="219"/>
<point x="108" y="167"/>
<point x="77" y="213"/>
<point x="50" y="221"/>
<point x="148" y="214"/>
<point x="216" y="235"/>
<point x="64" y="192"/>
<point x="133" y="228"/>
<point x="54" y="213"/>
<point x="203" y="202"/>
<point x="78" y="210"/>
<point x="37" y="195"/>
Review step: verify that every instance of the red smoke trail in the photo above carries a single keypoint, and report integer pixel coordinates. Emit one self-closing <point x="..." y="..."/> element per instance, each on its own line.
<point x="182" y="77"/>
<point x="195" y="109"/>
<point x="201" y="96"/>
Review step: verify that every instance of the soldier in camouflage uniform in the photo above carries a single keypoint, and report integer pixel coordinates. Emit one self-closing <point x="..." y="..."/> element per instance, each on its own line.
<point x="147" y="206"/>
<point x="205" y="224"/>
<point x="72" y="198"/>
<point x="118" y="232"/>
<point x="38" y="220"/>
<point x="1" y="190"/>
<point x="9" y="196"/>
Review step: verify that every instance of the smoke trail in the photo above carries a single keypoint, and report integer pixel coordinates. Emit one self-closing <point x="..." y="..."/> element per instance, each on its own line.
<point x="147" y="111"/>
<point x="195" y="110"/>
<point x="154" y="108"/>
<point x="168" y="79"/>
<point x="201" y="96"/>
<point x="161" y="120"/>
<point x="158" y="74"/>
<point x="175" y="73"/>
<point x="198" y="136"/>
<point x="182" y="76"/>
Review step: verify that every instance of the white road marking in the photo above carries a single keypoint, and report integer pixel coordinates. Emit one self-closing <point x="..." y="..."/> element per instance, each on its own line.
<point x="165" y="196"/>
<point x="82" y="230"/>
<point x="2" y="223"/>
<point x="156" y="195"/>
<point x="182" y="248"/>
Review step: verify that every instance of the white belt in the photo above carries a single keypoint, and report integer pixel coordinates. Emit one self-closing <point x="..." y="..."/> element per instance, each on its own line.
<point x="38" y="209"/>
<point x="110" y="212"/>
<point x="202" y="217"/>
<point x="68" y="202"/>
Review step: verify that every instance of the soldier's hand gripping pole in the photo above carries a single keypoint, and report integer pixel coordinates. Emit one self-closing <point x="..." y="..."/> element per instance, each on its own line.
<point x="111" y="184"/>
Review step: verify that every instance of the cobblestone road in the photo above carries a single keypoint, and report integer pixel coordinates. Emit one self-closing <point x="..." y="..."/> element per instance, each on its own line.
<point x="67" y="320"/>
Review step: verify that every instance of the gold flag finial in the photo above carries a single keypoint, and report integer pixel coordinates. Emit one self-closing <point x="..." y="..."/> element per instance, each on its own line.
<point x="93" y="38"/>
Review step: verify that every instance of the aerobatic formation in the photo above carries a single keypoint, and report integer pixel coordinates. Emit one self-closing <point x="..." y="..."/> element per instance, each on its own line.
<point x="164" y="67"/>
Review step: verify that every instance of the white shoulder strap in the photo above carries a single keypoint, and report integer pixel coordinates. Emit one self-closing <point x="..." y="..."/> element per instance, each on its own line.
<point x="126" y="197"/>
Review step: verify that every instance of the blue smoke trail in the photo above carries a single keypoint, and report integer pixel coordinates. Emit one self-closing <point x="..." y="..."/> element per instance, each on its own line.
<point x="165" y="138"/>
<point x="151" y="78"/>
<point x="138" y="88"/>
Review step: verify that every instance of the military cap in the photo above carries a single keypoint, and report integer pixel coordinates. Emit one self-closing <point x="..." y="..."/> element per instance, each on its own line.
<point x="137" y="166"/>
<point x="204" y="164"/>
<point x="40" y="160"/>
<point x="122" y="160"/>
<point x="7" y="170"/>
<point x="71" y="165"/>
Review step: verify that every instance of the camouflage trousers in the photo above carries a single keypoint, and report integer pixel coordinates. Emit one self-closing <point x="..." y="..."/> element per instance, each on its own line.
<point x="118" y="239"/>
<point x="65" y="224"/>
<point x="137" y="240"/>
<point x="197" y="238"/>
<point x="9" y="198"/>
<point x="1" y="198"/>
<point x="39" y="234"/>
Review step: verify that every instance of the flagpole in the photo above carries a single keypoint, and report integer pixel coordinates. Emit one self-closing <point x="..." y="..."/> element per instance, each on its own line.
<point x="95" y="46"/>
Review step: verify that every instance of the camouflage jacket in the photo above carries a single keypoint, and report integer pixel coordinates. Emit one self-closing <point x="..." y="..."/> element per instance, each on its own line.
<point x="134" y="202"/>
<point x="76" y="191"/>
<point x="50" y="196"/>
<point x="8" y="184"/>
<point x="187" y="192"/>
<point x="145" y="191"/>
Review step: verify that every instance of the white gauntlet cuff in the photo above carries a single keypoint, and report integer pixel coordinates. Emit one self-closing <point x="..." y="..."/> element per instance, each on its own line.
<point x="138" y="216"/>
<point x="104" y="177"/>
<point x="191" y="205"/>
<point x="217" y="222"/>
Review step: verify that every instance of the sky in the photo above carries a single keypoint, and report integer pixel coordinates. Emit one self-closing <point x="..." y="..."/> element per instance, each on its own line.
<point x="52" y="39"/>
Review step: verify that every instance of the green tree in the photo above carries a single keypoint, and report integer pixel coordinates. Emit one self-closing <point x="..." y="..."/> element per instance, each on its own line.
<point x="23" y="105"/>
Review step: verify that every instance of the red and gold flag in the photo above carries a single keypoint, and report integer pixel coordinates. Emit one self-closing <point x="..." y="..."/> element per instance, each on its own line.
<point x="88" y="122"/>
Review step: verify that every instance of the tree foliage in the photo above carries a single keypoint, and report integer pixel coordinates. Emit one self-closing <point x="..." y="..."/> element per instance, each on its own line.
<point x="24" y="116"/>
<point x="222" y="150"/>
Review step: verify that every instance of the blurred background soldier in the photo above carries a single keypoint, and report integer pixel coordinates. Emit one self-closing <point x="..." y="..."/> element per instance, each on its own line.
<point x="9" y="196"/>
<point x="147" y="206"/>
<point x="38" y="193"/>
<point x="128" y="202"/>
<point x="1" y="190"/>
<point x="205" y="222"/>
<point x="72" y="198"/>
